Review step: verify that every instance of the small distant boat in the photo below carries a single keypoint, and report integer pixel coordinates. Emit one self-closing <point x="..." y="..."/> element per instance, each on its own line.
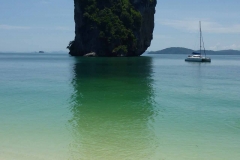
<point x="197" y="56"/>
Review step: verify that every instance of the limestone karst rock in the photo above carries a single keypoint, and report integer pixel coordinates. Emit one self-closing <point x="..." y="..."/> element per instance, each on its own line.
<point x="112" y="27"/>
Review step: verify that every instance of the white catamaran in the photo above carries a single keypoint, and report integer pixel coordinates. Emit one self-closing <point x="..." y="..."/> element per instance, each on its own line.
<point x="197" y="56"/>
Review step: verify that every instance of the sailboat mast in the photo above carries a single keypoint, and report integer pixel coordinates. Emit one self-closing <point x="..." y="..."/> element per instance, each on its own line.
<point x="200" y="38"/>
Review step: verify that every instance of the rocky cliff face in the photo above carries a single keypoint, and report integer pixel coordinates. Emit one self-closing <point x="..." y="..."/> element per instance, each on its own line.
<point x="112" y="27"/>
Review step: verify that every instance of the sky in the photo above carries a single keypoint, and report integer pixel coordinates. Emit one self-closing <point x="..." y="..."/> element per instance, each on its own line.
<point x="48" y="25"/>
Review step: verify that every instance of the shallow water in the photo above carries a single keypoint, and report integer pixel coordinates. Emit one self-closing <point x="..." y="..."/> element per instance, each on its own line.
<point x="156" y="107"/>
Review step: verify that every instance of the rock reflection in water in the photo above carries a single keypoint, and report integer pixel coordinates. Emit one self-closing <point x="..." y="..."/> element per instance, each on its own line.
<point x="113" y="108"/>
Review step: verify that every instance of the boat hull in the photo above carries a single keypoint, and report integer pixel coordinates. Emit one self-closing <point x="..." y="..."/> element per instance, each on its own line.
<point x="198" y="59"/>
<point x="206" y="60"/>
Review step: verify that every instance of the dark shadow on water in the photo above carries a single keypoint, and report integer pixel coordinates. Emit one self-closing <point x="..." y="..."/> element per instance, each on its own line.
<point x="113" y="108"/>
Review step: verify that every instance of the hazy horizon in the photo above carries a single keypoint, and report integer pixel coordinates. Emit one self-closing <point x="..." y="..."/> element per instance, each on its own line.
<point x="66" y="51"/>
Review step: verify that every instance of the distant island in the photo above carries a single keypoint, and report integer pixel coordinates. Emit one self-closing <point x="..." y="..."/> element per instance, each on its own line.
<point x="181" y="50"/>
<point x="41" y="52"/>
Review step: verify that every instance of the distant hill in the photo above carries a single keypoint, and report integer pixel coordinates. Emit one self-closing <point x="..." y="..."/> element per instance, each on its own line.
<point x="180" y="50"/>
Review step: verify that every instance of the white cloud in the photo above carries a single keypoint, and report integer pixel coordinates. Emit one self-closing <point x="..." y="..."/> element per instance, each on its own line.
<point x="63" y="29"/>
<point x="57" y="28"/>
<point x="216" y="47"/>
<point x="10" y="27"/>
<point x="225" y="47"/>
<point x="233" y="46"/>
<point x="159" y="36"/>
<point x="207" y="26"/>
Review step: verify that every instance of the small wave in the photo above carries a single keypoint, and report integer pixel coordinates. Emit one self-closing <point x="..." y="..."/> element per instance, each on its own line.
<point x="235" y="123"/>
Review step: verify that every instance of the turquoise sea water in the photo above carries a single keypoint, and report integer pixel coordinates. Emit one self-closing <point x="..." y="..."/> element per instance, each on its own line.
<point x="154" y="107"/>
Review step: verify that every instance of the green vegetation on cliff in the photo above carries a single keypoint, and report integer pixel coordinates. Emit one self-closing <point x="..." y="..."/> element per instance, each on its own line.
<point x="116" y="22"/>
